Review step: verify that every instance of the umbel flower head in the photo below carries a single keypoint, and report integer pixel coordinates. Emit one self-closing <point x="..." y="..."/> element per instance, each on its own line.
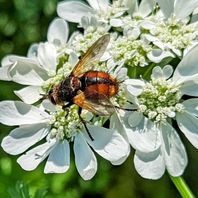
<point x="58" y="130"/>
<point x="142" y="34"/>
<point x="159" y="104"/>
<point x="47" y="65"/>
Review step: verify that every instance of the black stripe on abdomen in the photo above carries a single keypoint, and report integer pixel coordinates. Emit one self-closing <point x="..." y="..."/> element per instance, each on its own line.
<point x="96" y="80"/>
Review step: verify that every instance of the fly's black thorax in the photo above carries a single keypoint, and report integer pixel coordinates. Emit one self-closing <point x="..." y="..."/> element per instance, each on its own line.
<point x="68" y="88"/>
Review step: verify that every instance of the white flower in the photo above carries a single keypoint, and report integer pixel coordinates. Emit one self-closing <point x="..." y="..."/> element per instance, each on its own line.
<point x="173" y="32"/>
<point x="47" y="63"/>
<point x="130" y="50"/>
<point x="158" y="146"/>
<point x="59" y="130"/>
<point x="102" y="10"/>
<point x="138" y="16"/>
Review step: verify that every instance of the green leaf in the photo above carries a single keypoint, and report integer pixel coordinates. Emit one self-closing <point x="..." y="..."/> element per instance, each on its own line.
<point x="21" y="190"/>
<point x="40" y="193"/>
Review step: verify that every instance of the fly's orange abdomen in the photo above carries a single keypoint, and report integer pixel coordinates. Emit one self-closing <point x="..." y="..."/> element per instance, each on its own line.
<point x="99" y="85"/>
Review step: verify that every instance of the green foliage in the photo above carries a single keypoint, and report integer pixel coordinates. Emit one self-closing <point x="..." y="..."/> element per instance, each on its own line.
<point x="23" y="22"/>
<point x="21" y="190"/>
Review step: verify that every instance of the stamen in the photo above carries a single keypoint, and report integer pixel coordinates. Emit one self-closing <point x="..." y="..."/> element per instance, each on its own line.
<point x="159" y="100"/>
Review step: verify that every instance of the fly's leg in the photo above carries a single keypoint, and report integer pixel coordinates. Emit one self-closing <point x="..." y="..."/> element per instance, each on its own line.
<point x="65" y="108"/>
<point x="84" y="123"/>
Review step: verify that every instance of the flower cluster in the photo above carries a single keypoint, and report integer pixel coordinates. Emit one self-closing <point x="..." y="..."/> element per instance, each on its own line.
<point x="151" y="54"/>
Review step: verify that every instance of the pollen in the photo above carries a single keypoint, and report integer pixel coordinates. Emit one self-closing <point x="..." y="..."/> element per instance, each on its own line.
<point x="175" y="32"/>
<point x="65" y="123"/>
<point x="131" y="51"/>
<point x="160" y="100"/>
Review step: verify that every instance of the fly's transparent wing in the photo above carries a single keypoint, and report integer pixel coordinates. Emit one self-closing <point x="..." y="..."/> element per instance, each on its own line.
<point x="94" y="53"/>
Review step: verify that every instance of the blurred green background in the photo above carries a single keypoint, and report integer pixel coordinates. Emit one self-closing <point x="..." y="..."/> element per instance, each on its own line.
<point x="23" y="22"/>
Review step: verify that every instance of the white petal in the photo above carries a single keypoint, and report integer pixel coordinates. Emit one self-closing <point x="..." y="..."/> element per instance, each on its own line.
<point x="187" y="68"/>
<point x="135" y="118"/>
<point x="59" y="158"/>
<point x="31" y="159"/>
<point x="167" y="7"/>
<point x="117" y="124"/>
<point x="146" y="7"/>
<point x="188" y="124"/>
<point x="108" y="143"/>
<point x="32" y="51"/>
<point x="133" y="33"/>
<point x="191" y="105"/>
<point x="73" y="36"/>
<point x="85" y="159"/>
<point x="184" y="8"/>
<point x="116" y="22"/>
<point x="157" y="55"/>
<point x="4" y="73"/>
<point x="58" y="32"/>
<point x="195" y="11"/>
<point x="143" y="137"/>
<point x="151" y="38"/>
<point x="6" y="65"/>
<point x="173" y="151"/>
<point x="106" y="56"/>
<point x="6" y="60"/>
<point x="23" y="137"/>
<point x="85" y="22"/>
<point x="73" y="58"/>
<point x="18" y="113"/>
<point x="47" y="105"/>
<point x="149" y="165"/>
<point x="148" y="25"/>
<point x="132" y="6"/>
<point x="176" y="51"/>
<point x="193" y="44"/>
<point x="47" y="56"/>
<point x="189" y="85"/>
<point x="121" y="74"/>
<point x="167" y="71"/>
<point x="30" y="94"/>
<point x="73" y="11"/>
<point x="164" y="72"/>
<point x="157" y="72"/>
<point x="159" y="44"/>
<point x="134" y="86"/>
<point x="99" y="5"/>
<point x="28" y="72"/>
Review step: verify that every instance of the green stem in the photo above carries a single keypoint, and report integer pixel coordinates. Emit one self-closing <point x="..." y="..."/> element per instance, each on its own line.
<point x="182" y="187"/>
<point x="148" y="70"/>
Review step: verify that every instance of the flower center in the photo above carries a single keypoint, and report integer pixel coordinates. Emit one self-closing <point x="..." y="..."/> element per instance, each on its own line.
<point x="160" y="99"/>
<point x="82" y="42"/>
<point x="131" y="51"/>
<point x="175" y="32"/>
<point x="65" y="123"/>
